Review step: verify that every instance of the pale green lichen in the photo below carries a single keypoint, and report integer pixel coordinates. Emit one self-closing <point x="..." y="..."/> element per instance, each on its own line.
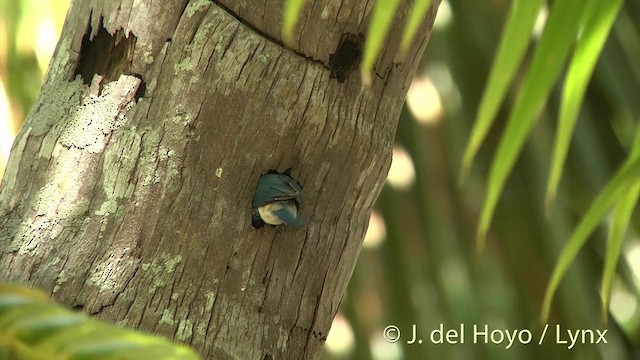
<point x="61" y="63"/>
<point x="97" y="117"/>
<point x="31" y="235"/>
<point x="161" y="269"/>
<point x="185" y="329"/>
<point x="181" y="116"/>
<point x="90" y="124"/>
<point x="167" y="156"/>
<point x="202" y="36"/>
<point x="150" y="179"/>
<point x="264" y="57"/>
<point x="167" y="317"/>
<point x="108" y="207"/>
<point x="53" y="105"/>
<point x="49" y="147"/>
<point x="201" y="330"/>
<point x="47" y="199"/>
<point x="174" y="296"/>
<point x="103" y="227"/>
<point x="283" y="338"/>
<point x="219" y="172"/>
<point x="219" y="47"/>
<point x="171" y="263"/>
<point x="164" y="154"/>
<point x="98" y="269"/>
<point x="55" y="200"/>
<point x="173" y="172"/>
<point x="196" y="6"/>
<point x="62" y="278"/>
<point x="148" y="57"/>
<point x="185" y="65"/>
<point x="100" y="276"/>
<point x="211" y="297"/>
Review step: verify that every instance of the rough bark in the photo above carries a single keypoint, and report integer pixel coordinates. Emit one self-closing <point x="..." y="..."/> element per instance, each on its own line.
<point x="128" y="191"/>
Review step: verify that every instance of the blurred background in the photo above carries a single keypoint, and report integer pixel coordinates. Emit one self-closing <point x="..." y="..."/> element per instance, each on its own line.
<point x="418" y="268"/>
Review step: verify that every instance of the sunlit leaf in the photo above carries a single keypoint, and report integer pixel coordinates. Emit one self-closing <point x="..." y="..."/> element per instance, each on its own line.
<point x="599" y="20"/>
<point x="617" y="188"/>
<point x="292" y="10"/>
<point x="416" y="16"/>
<point x="559" y="34"/>
<point x="513" y="44"/>
<point x="33" y="327"/>
<point x="383" y="14"/>
<point x="619" y="225"/>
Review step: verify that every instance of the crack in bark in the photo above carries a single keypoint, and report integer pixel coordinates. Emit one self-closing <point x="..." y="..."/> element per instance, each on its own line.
<point x="266" y="36"/>
<point x="233" y="36"/>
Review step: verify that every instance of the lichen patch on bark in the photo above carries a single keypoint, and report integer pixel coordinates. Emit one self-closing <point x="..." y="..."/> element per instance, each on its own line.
<point x="93" y="121"/>
<point x="161" y="269"/>
<point x="98" y="116"/>
<point x="54" y="105"/>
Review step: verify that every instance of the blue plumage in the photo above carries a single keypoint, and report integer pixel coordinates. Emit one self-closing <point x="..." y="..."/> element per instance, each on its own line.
<point x="277" y="199"/>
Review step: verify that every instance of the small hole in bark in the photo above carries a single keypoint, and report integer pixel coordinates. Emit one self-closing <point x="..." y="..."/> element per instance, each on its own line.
<point x="347" y="57"/>
<point x="78" y="307"/>
<point x="106" y="54"/>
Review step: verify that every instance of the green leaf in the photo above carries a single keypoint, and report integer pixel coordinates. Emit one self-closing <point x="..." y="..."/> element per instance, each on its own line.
<point x="34" y="327"/>
<point x="417" y="14"/>
<point x="559" y="34"/>
<point x="513" y="45"/>
<point x="383" y="14"/>
<point x="617" y="188"/>
<point x="619" y="225"/>
<point x="292" y="10"/>
<point x="599" y="20"/>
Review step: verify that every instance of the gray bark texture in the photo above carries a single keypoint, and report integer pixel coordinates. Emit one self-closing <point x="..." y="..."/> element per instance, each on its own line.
<point x="128" y="191"/>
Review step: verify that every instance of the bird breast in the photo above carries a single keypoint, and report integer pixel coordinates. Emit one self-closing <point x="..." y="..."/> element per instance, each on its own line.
<point x="267" y="212"/>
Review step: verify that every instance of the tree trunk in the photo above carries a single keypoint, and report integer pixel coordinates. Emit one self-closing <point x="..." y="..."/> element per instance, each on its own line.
<point x="128" y="191"/>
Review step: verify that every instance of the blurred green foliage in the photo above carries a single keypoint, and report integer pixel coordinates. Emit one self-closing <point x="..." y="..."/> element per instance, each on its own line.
<point x="30" y="28"/>
<point x="28" y="34"/>
<point x="33" y="327"/>
<point x="426" y="271"/>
